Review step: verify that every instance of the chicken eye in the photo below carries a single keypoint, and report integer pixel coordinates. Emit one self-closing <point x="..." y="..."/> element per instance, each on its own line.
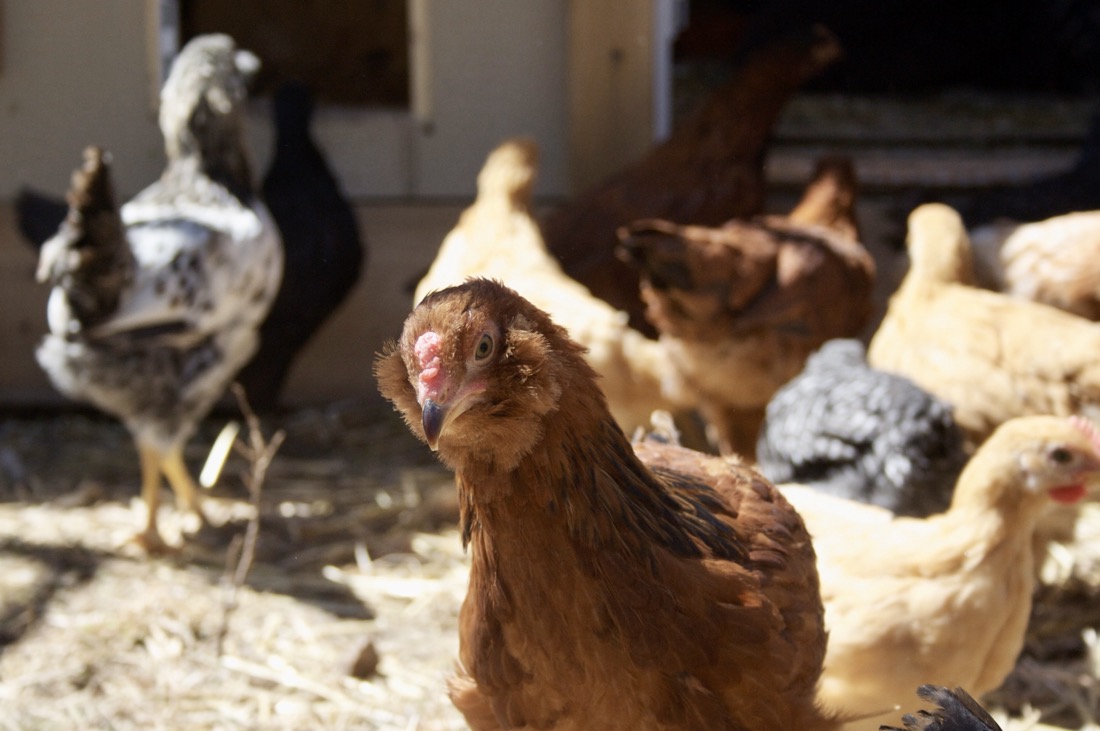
<point x="1061" y="455"/>
<point x="484" y="347"/>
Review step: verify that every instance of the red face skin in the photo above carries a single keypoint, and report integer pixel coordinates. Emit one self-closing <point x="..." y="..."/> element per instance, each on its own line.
<point x="1067" y="494"/>
<point x="1073" y="493"/>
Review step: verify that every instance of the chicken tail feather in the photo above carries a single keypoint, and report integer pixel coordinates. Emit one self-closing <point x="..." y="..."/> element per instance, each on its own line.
<point x="957" y="711"/>
<point x="89" y="256"/>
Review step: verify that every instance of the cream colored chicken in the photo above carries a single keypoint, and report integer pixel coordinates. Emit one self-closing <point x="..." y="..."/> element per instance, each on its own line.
<point x="1055" y="261"/>
<point x="498" y="237"/>
<point x="992" y="356"/>
<point x="943" y="599"/>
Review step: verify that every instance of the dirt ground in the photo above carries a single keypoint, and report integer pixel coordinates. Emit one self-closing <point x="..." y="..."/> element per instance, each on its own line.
<point x="347" y="619"/>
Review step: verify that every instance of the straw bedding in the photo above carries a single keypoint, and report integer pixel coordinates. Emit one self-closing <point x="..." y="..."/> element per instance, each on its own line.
<point x="347" y="618"/>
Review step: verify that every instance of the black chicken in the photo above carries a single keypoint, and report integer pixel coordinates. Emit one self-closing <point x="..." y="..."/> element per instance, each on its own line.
<point x="863" y="434"/>
<point x="322" y="247"/>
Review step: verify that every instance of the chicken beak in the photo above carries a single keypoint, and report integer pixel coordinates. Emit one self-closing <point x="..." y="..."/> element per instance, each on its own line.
<point x="433" y="417"/>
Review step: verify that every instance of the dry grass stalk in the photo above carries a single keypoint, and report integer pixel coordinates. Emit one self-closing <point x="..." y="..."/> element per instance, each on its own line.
<point x="242" y="551"/>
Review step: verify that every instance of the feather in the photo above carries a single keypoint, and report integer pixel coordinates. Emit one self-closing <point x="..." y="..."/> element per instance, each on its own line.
<point x="956" y="711"/>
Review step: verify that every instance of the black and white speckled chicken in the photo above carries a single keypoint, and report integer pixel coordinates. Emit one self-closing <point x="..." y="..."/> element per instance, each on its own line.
<point x="863" y="434"/>
<point x="322" y="245"/>
<point x="155" y="308"/>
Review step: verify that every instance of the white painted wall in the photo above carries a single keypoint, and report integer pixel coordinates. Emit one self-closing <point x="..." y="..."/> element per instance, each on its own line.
<point x="75" y="73"/>
<point x="496" y="69"/>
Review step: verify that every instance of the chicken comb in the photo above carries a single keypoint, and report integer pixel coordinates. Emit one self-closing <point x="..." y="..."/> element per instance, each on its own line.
<point x="1087" y="428"/>
<point x="427" y="348"/>
<point x="427" y="357"/>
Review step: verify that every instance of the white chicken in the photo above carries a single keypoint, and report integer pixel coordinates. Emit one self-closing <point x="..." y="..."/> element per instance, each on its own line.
<point x="154" y="311"/>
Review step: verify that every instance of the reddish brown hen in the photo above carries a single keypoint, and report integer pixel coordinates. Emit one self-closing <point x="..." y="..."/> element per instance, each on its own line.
<point x="740" y="307"/>
<point x="830" y="198"/>
<point x="609" y="589"/>
<point x="709" y="170"/>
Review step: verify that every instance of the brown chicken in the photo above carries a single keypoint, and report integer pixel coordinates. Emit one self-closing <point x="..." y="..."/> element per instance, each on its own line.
<point x="710" y="169"/>
<point x="741" y="307"/>
<point x="498" y="237"/>
<point x="991" y="356"/>
<point x="1056" y="261"/>
<point x="830" y="198"/>
<point x="609" y="589"/>
<point x="943" y="599"/>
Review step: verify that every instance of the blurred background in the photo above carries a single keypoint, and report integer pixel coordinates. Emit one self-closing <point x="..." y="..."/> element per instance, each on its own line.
<point x="934" y="96"/>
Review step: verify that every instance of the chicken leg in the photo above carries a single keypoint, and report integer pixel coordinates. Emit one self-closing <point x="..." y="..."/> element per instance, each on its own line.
<point x="155" y="463"/>
<point x="181" y="482"/>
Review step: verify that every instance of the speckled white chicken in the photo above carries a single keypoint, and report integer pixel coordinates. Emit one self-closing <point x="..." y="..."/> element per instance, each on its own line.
<point x="154" y="311"/>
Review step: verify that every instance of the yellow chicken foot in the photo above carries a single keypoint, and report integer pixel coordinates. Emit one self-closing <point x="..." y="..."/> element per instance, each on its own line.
<point x="187" y="492"/>
<point x="150" y="539"/>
